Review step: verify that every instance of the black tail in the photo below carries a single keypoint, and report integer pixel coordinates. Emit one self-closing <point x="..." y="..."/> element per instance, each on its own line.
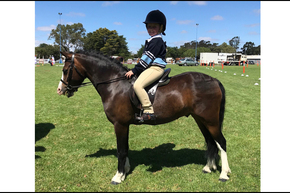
<point x="223" y="102"/>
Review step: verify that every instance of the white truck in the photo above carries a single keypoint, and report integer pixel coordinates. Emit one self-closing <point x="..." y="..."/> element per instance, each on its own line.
<point x="236" y="59"/>
<point x="223" y="57"/>
<point x="207" y="58"/>
<point x="170" y="60"/>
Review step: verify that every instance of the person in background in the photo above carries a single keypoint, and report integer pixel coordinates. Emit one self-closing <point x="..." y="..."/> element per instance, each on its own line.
<point x="49" y="61"/>
<point x="52" y="60"/>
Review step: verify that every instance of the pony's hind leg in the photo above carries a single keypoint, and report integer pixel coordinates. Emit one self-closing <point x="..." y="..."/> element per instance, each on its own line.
<point x="212" y="149"/>
<point x="225" y="164"/>
<point x="221" y="144"/>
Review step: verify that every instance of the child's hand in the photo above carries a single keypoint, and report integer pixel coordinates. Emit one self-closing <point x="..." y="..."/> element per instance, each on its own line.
<point x="129" y="74"/>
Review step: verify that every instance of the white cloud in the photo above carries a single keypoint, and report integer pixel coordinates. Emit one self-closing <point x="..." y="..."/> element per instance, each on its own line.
<point x="72" y="14"/>
<point x="217" y="17"/>
<point x="257" y="11"/>
<point x="46" y="28"/>
<point x="197" y="2"/>
<point x="212" y="31"/>
<point x="118" y="23"/>
<point x="110" y="3"/>
<point x="184" y="22"/>
<point x="173" y="2"/>
<point x="253" y="25"/>
<point x="183" y="32"/>
<point x="253" y="33"/>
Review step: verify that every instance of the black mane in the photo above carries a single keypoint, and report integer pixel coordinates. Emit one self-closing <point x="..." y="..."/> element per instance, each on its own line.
<point x="95" y="56"/>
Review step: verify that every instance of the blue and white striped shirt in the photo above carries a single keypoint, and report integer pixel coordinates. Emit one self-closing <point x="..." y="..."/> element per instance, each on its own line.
<point x="153" y="55"/>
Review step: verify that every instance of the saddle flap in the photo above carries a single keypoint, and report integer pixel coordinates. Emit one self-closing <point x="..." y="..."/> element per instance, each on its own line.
<point x="151" y="89"/>
<point x="164" y="77"/>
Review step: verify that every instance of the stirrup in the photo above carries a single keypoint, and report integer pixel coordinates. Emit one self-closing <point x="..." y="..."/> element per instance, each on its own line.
<point x="148" y="116"/>
<point x="145" y="117"/>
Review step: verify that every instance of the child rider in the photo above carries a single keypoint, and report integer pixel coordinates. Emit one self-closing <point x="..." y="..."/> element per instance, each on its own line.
<point x="152" y="63"/>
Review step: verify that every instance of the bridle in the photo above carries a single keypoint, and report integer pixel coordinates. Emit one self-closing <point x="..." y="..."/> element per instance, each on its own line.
<point x="75" y="88"/>
<point x="69" y="87"/>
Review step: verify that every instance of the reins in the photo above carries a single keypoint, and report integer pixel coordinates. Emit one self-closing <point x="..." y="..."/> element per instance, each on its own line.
<point x="70" y="87"/>
<point x="112" y="80"/>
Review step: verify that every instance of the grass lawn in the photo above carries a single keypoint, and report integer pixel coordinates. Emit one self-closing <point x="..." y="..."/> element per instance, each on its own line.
<point x="75" y="144"/>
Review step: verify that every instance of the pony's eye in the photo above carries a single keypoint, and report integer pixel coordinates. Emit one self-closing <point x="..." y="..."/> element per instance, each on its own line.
<point x="64" y="71"/>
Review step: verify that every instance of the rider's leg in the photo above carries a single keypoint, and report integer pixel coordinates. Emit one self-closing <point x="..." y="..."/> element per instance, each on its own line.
<point x="146" y="78"/>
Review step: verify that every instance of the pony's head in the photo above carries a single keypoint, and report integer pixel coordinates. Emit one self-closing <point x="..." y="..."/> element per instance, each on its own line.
<point x="72" y="75"/>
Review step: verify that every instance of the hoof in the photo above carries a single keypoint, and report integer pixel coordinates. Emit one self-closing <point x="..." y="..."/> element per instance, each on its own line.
<point x="114" y="183"/>
<point x="223" y="180"/>
<point x="206" y="172"/>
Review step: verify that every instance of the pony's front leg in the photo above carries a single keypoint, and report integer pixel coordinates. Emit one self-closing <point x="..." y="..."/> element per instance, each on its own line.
<point x="122" y="135"/>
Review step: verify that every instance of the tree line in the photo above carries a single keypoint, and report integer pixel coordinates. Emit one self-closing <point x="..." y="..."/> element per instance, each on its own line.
<point x="110" y="43"/>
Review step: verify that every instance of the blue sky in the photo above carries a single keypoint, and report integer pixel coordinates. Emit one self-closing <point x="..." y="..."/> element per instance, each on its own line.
<point x="219" y="21"/>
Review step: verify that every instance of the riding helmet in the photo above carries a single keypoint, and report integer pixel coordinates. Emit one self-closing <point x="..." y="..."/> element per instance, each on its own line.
<point x="156" y="16"/>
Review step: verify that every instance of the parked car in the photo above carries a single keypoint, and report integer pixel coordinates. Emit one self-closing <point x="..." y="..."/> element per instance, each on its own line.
<point x="251" y="62"/>
<point x="187" y="62"/>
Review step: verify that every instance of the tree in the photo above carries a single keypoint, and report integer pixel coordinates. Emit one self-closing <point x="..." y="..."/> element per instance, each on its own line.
<point x="172" y="52"/>
<point x="71" y="36"/>
<point x="45" y="50"/>
<point x="108" y="42"/>
<point x="181" y="51"/>
<point x="140" y="51"/>
<point x="250" y="49"/>
<point x="225" y="48"/>
<point x="189" y="53"/>
<point x="205" y="44"/>
<point x="234" y="42"/>
<point x="257" y="50"/>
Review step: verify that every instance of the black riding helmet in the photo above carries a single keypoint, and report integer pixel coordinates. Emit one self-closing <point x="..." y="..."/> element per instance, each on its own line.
<point x="156" y="16"/>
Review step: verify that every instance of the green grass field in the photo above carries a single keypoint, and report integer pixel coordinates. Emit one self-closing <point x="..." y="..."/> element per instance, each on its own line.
<point x="75" y="144"/>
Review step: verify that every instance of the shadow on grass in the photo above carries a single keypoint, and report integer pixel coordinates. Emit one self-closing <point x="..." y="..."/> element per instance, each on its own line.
<point x="41" y="130"/>
<point x="159" y="157"/>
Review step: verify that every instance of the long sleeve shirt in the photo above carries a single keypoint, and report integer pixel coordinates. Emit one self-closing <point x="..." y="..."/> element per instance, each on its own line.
<point x="153" y="55"/>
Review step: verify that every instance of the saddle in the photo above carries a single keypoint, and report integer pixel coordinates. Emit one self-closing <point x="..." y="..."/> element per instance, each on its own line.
<point x="151" y="90"/>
